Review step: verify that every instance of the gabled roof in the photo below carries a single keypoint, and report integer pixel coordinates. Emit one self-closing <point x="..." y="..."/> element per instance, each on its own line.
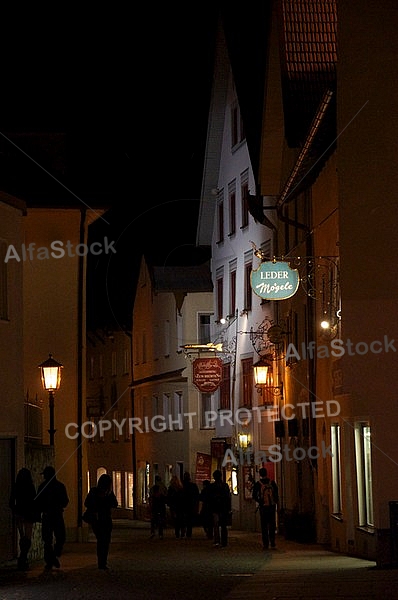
<point x="308" y="50"/>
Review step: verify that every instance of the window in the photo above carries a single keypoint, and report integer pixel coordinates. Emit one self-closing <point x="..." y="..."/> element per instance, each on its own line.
<point x="248" y="287"/>
<point x="115" y="428"/>
<point x="220" y="297"/>
<point x="204" y="333"/>
<point x="220" y="220"/>
<point x="177" y="412"/>
<point x="206" y="411"/>
<point x="244" y="193"/>
<point x="247" y="381"/>
<point x="117" y="486"/>
<point x="126" y="362"/>
<point x="128" y="489"/>
<point x="232" y="287"/>
<point x="166" y="410"/>
<point x="232" y="207"/>
<point x="157" y="406"/>
<point x="363" y="453"/>
<point x="336" y="468"/>
<point x="237" y="129"/>
<point x="3" y="282"/>
<point x="225" y="387"/>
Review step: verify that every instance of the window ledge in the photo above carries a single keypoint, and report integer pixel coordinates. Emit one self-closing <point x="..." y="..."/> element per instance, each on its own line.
<point x="367" y="529"/>
<point x="337" y="517"/>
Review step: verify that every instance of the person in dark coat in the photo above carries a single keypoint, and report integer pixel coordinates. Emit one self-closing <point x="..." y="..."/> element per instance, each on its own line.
<point x="101" y="500"/>
<point x="220" y="504"/>
<point x="157" y="506"/>
<point x="51" y="500"/>
<point x="22" y="505"/>
<point x="175" y="501"/>
<point x="206" y="516"/>
<point x="191" y="503"/>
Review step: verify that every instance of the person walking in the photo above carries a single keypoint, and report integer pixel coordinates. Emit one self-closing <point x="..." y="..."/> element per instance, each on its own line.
<point x="220" y="505"/>
<point x="206" y="516"/>
<point x="175" y="501"/>
<point x="51" y="501"/>
<point x="99" y="502"/>
<point x="190" y="503"/>
<point x="266" y="494"/>
<point x="22" y="505"/>
<point x="157" y="506"/>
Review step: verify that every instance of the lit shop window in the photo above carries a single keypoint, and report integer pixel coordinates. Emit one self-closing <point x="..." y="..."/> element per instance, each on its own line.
<point x="335" y="435"/>
<point x="363" y="452"/>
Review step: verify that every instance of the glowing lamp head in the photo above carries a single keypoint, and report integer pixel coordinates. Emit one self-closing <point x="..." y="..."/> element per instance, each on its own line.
<point x="261" y="371"/>
<point x="50" y="374"/>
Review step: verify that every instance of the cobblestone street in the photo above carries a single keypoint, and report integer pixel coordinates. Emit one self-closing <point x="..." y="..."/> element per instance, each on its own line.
<point x="143" y="568"/>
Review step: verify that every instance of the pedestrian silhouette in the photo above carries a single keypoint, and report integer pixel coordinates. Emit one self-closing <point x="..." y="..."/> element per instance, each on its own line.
<point x="100" y="501"/>
<point x="175" y="501"/>
<point x="51" y="500"/>
<point x="206" y="516"/>
<point x="22" y="504"/>
<point x="220" y="505"/>
<point x="191" y="503"/>
<point x="157" y="506"/>
<point x="265" y="493"/>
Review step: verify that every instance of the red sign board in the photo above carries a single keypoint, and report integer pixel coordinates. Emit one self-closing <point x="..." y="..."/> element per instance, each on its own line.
<point x="203" y="467"/>
<point x="207" y="374"/>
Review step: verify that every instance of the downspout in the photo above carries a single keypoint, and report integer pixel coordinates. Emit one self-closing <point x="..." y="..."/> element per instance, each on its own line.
<point x="80" y="365"/>
<point x="133" y="438"/>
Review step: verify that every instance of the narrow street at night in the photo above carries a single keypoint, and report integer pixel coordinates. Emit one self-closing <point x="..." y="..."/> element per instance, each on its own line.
<point x="142" y="568"/>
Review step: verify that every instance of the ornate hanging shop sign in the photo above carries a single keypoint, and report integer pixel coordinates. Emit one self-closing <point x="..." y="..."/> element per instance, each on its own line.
<point x="207" y="374"/>
<point x="275" y="280"/>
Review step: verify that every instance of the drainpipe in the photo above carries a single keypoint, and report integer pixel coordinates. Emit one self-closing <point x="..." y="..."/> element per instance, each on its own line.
<point x="80" y="349"/>
<point x="133" y="438"/>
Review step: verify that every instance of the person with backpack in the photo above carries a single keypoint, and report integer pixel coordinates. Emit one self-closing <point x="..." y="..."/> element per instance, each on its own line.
<point x="220" y="506"/>
<point x="265" y="493"/>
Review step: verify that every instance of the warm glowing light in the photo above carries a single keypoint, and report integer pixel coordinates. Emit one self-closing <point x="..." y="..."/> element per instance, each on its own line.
<point x="260" y="372"/>
<point x="51" y="374"/>
<point x="243" y="440"/>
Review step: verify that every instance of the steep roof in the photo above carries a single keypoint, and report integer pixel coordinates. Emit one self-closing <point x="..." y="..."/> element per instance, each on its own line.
<point x="308" y="50"/>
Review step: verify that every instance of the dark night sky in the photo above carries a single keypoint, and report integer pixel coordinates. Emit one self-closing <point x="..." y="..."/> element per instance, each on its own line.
<point x="130" y="91"/>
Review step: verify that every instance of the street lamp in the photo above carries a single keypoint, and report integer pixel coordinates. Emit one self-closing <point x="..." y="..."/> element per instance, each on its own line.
<point x="51" y="380"/>
<point x="260" y="369"/>
<point x="264" y="380"/>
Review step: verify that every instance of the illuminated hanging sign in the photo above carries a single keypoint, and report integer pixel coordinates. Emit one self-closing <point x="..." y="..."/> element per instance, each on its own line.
<point x="275" y="281"/>
<point x="207" y="374"/>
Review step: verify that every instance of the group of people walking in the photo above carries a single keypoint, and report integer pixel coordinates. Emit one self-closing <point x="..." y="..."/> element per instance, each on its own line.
<point x="47" y="505"/>
<point x="211" y="507"/>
